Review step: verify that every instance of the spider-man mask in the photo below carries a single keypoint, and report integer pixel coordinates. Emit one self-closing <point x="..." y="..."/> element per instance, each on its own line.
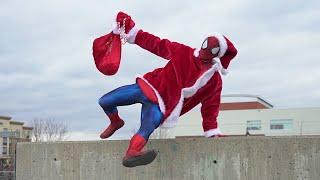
<point x="209" y="49"/>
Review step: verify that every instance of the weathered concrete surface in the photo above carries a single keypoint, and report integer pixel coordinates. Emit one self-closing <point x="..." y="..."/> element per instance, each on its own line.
<point x="277" y="158"/>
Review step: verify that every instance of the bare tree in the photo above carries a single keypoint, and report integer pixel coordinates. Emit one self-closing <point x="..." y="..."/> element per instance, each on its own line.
<point x="38" y="130"/>
<point x="48" y="130"/>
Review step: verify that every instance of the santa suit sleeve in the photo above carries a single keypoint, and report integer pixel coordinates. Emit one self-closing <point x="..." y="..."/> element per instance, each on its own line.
<point x="160" y="47"/>
<point x="210" y="108"/>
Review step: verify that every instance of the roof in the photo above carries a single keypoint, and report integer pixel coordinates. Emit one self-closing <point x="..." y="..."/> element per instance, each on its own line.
<point x="16" y="122"/>
<point x="27" y="128"/>
<point x="244" y="101"/>
<point x="242" y="106"/>
<point x="5" y="117"/>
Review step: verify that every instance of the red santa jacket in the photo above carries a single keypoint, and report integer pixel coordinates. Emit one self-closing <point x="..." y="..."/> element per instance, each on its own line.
<point x="183" y="83"/>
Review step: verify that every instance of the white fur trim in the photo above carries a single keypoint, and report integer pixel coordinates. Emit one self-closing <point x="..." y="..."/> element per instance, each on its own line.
<point x="220" y="67"/>
<point x="172" y="119"/>
<point x="223" y="48"/>
<point x="196" y="52"/>
<point x="222" y="43"/>
<point x="131" y="36"/>
<point x="212" y="132"/>
<point x="224" y="71"/>
<point x="160" y="100"/>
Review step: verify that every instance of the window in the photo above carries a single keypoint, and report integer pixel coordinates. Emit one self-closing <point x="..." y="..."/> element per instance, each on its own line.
<point x="27" y="134"/>
<point x="4" y="151"/>
<point x="5" y="132"/>
<point x="254" y="125"/>
<point x="4" y="140"/>
<point x="284" y="124"/>
<point x="17" y="133"/>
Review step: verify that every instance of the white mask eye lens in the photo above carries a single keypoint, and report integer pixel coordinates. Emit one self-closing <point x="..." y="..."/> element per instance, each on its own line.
<point x="205" y="44"/>
<point x="215" y="50"/>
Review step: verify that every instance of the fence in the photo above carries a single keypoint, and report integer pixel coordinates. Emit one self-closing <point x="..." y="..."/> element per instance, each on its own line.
<point x="7" y="168"/>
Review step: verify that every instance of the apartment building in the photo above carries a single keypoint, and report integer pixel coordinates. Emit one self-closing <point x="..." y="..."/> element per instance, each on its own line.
<point x="11" y="132"/>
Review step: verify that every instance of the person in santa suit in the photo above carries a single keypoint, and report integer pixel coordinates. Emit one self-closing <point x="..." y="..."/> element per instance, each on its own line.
<point x="190" y="77"/>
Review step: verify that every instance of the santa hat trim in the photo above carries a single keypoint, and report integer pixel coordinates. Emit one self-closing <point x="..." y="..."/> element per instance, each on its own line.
<point x="212" y="132"/>
<point x="222" y="43"/>
<point x="222" y="70"/>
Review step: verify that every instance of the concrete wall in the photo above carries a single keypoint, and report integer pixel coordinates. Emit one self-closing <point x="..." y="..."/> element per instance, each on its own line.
<point x="233" y="158"/>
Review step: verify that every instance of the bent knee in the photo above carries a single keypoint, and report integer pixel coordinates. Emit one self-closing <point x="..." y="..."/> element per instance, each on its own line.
<point x="105" y="101"/>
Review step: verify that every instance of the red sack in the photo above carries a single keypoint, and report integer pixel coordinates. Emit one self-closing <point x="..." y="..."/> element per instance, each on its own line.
<point x="107" y="53"/>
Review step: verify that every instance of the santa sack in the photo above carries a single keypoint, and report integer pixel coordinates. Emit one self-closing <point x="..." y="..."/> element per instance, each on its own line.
<point x="107" y="53"/>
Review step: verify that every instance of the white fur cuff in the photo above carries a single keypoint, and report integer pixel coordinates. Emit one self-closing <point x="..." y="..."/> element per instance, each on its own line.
<point x="131" y="36"/>
<point x="212" y="132"/>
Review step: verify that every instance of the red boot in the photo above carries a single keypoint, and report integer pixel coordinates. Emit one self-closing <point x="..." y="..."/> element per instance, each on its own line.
<point x="116" y="123"/>
<point x="135" y="156"/>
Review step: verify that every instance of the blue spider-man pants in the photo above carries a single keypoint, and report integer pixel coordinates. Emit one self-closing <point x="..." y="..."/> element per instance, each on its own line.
<point x="151" y="115"/>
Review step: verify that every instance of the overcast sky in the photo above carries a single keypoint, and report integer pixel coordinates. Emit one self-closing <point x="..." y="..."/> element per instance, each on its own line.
<point x="47" y="70"/>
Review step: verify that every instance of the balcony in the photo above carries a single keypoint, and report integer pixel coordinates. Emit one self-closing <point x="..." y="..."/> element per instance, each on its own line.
<point x="9" y="134"/>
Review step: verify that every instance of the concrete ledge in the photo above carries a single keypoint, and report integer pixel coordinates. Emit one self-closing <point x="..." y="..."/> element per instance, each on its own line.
<point x="231" y="158"/>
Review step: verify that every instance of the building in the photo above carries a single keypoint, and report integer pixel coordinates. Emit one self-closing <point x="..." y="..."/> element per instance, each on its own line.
<point x="252" y="115"/>
<point x="11" y="132"/>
